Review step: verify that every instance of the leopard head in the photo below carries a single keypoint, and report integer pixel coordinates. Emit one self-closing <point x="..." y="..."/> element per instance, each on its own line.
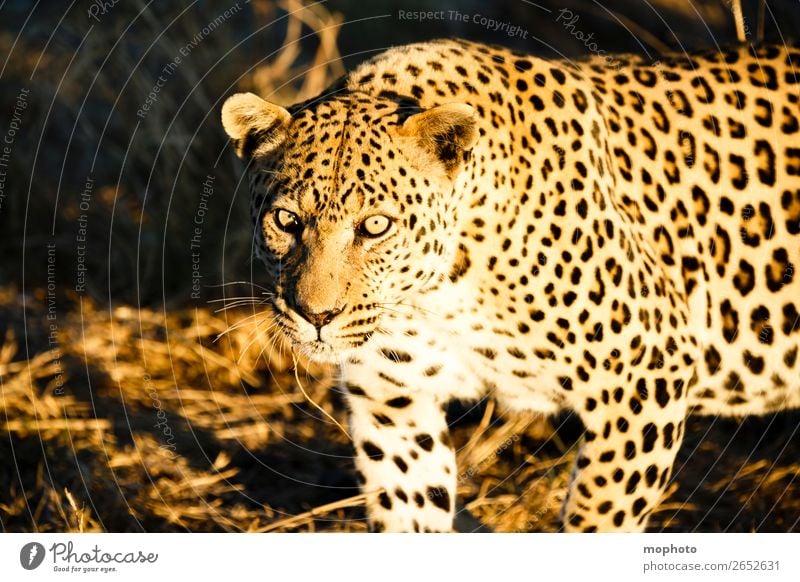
<point x="354" y="202"/>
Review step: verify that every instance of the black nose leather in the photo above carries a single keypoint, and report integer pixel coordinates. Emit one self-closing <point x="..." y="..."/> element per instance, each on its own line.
<point x="321" y="319"/>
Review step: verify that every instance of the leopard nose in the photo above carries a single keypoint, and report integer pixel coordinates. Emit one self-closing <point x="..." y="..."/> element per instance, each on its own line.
<point x="320" y="319"/>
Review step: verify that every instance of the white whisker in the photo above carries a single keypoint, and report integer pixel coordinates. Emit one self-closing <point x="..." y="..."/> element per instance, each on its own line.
<point x="256" y="337"/>
<point x="250" y="283"/>
<point x="243" y="321"/>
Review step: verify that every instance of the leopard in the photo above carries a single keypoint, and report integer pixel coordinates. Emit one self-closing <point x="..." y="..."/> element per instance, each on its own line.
<point x="452" y="221"/>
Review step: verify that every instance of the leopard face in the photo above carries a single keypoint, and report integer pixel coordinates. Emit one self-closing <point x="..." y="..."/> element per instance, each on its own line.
<point x="348" y="195"/>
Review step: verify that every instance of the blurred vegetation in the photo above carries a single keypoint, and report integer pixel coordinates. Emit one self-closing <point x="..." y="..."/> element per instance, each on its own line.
<point x="82" y="441"/>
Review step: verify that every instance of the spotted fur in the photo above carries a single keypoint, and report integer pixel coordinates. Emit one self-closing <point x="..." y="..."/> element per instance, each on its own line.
<point x="454" y="220"/>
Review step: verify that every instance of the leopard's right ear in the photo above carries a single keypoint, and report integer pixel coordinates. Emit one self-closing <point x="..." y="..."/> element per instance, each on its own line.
<point x="256" y="127"/>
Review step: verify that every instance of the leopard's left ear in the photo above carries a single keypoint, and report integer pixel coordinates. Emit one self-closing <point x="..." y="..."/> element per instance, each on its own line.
<point x="256" y="127"/>
<point x="446" y="131"/>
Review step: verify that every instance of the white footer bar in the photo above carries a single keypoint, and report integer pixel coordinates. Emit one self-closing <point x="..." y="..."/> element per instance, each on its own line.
<point x="406" y="558"/>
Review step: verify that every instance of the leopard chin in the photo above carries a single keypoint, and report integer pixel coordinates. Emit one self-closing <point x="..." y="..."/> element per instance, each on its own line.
<point x="319" y="352"/>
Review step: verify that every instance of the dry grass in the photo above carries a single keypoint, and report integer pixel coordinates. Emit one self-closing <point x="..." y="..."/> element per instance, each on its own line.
<point x="85" y="447"/>
<point x="139" y="417"/>
<point x="245" y="451"/>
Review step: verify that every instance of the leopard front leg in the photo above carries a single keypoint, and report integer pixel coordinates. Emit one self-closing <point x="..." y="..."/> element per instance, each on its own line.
<point x="623" y="466"/>
<point x="405" y="462"/>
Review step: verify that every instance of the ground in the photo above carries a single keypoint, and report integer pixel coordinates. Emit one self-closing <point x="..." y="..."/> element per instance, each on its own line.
<point x="222" y="438"/>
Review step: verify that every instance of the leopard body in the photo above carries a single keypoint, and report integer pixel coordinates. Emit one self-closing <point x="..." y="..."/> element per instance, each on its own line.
<point x="459" y="221"/>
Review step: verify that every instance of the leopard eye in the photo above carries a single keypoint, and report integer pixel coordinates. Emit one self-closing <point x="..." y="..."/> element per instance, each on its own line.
<point x="287" y="221"/>
<point x="376" y="226"/>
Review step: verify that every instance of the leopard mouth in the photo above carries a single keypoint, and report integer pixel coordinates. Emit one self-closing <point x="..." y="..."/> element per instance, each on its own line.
<point x="314" y="349"/>
<point x="326" y="345"/>
<point x="332" y="352"/>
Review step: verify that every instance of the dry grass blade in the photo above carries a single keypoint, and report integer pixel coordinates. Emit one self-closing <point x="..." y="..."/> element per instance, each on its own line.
<point x="326" y="65"/>
<point x="738" y="19"/>
<point x="295" y="521"/>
